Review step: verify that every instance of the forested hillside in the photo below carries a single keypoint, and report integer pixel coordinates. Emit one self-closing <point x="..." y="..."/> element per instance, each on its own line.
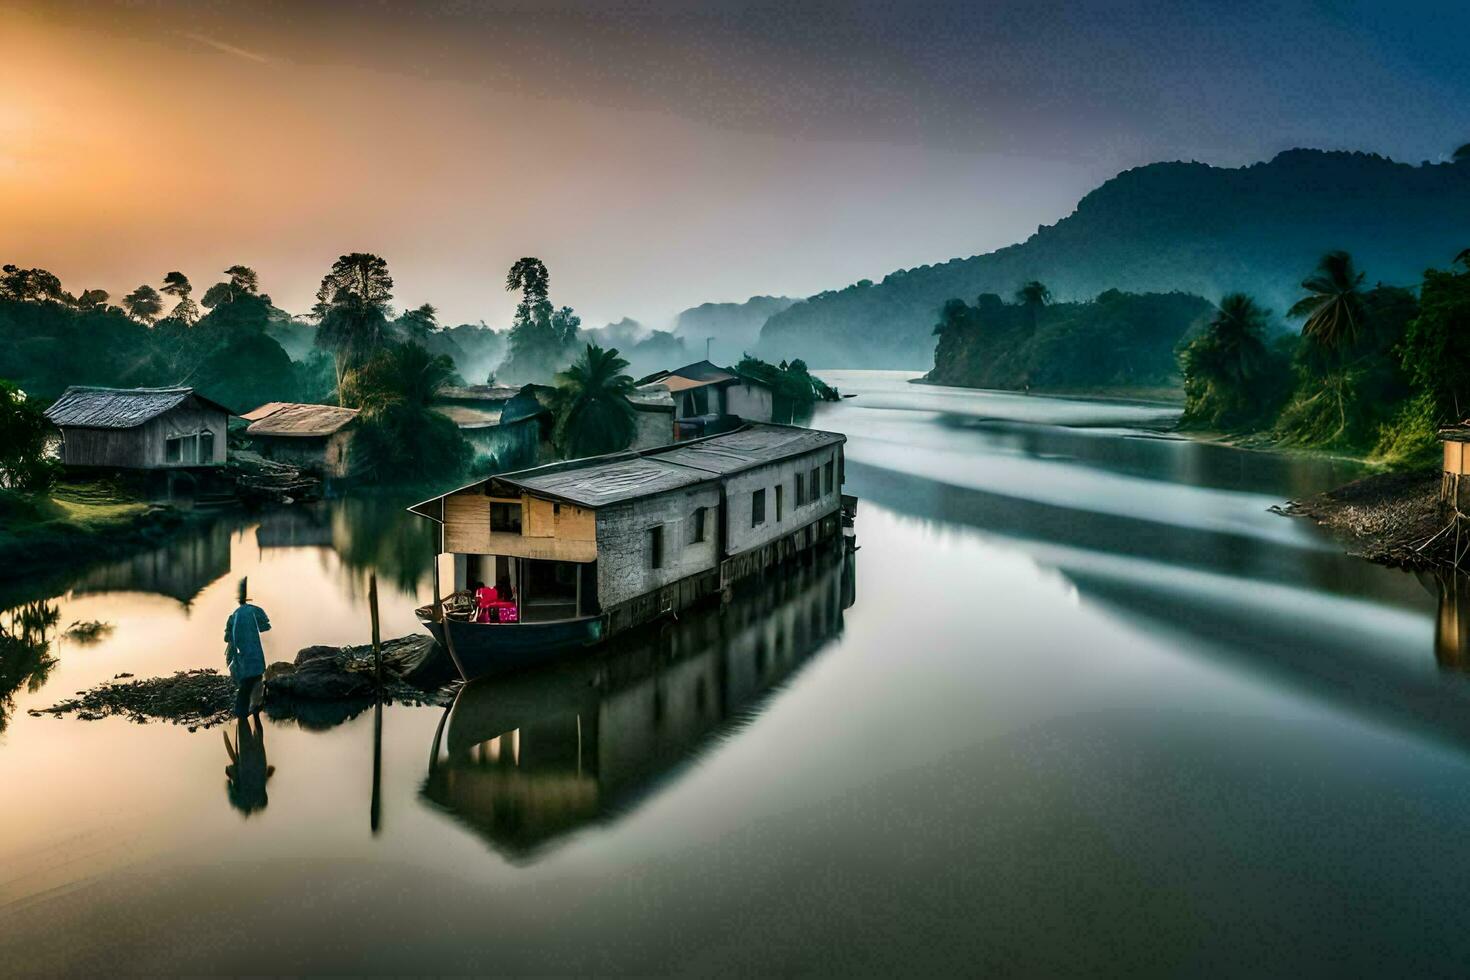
<point x="734" y="327"/>
<point x="1116" y="340"/>
<point x="1167" y="226"/>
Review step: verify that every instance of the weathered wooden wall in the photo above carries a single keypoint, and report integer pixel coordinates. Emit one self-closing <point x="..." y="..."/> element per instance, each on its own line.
<point x="467" y="530"/>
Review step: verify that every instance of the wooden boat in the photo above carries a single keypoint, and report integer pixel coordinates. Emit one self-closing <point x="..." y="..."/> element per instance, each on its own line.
<point x="593" y="547"/>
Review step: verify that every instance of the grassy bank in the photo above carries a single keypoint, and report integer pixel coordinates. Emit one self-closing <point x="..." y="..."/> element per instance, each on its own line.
<point x="75" y="523"/>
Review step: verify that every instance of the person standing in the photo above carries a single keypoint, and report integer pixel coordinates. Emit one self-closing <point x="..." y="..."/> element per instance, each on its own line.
<point x="244" y="654"/>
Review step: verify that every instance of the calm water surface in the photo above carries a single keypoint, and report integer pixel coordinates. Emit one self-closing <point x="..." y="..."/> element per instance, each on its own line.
<point x="1080" y="703"/>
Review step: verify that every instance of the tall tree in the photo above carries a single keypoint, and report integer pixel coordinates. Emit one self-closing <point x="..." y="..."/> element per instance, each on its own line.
<point x="1333" y="306"/>
<point x="143" y="304"/>
<point x="93" y="299"/>
<point x="541" y="337"/>
<point x="243" y="281"/>
<point x="419" y="322"/>
<point x="30" y="285"/>
<point x="352" y="310"/>
<point x="594" y="413"/>
<point x="177" y="285"/>
<point x="1224" y="365"/>
<point x="1033" y="295"/>
<point x="402" y="438"/>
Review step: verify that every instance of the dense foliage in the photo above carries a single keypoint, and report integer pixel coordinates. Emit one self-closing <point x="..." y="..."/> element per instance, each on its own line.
<point x="793" y="388"/>
<point x="401" y="439"/>
<point x="542" y="338"/>
<point x="1374" y="372"/>
<point x="593" y="412"/>
<point x="1117" y="339"/>
<point x="24" y="434"/>
<point x="1168" y="226"/>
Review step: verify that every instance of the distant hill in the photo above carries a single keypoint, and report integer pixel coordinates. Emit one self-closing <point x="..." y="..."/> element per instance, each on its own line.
<point x="735" y="327"/>
<point x="1117" y="340"/>
<point x="1159" y="228"/>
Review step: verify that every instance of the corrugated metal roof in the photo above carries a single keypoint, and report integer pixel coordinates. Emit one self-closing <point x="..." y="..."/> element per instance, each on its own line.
<point x="749" y="446"/>
<point x="118" y="408"/>
<point x="302" y="421"/>
<point x="478" y="393"/>
<point x="609" y="482"/>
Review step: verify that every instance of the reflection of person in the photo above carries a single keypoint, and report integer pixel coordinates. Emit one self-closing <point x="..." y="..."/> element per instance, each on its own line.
<point x="244" y="654"/>
<point x="247" y="772"/>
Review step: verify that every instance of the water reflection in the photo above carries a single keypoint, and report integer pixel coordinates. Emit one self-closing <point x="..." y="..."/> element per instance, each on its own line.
<point x="529" y="759"/>
<point x="181" y="569"/>
<point x="1452" y="625"/>
<point x="25" y="651"/>
<point x="248" y="772"/>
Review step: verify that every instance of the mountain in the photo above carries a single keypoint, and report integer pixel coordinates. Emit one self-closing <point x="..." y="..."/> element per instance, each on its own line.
<point x="732" y="327"/>
<point x="1160" y="228"/>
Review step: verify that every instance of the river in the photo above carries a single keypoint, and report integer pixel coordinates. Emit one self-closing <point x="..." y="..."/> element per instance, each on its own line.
<point x="1079" y="703"/>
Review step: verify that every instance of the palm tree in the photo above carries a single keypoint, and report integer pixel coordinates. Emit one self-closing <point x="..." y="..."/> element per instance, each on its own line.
<point x="1033" y="295"/>
<point x="594" y="415"/>
<point x="1333" y="305"/>
<point x="404" y="376"/>
<point x="1237" y="327"/>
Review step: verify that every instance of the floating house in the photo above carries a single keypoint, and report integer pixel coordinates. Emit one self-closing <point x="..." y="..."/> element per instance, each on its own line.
<point x="588" y="548"/>
<point x="709" y="399"/>
<point x="1452" y="490"/>
<point x="313" y="437"/>
<point x="139" y="428"/>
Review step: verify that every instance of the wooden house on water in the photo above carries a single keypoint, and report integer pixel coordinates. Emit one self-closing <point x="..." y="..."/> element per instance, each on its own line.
<point x="139" y="428"/>
<point x="313" y="437"/>
<point x="592" y="547"/>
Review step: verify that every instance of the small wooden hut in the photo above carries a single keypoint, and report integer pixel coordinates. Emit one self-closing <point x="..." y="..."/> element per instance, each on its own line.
<point x="139" y="428"/>
<point x="1452" y="490"/>
<point x="313" y="437"/>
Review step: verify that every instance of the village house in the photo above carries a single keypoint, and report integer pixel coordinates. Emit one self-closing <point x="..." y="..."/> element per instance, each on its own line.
<point x="512" y="426"/>
<point x="1452" y="490"/>
<point x="628" y="536"/>
<point x="313" y="437"/>
<point x="709" y="399"/>
<point x="139" y="428"/>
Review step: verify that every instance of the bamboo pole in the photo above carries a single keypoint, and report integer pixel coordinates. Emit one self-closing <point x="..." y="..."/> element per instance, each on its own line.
<point x="377" y="640"/>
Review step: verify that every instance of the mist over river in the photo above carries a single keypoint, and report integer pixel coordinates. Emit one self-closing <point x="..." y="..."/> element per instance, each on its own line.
<point x="1079" y="703"/>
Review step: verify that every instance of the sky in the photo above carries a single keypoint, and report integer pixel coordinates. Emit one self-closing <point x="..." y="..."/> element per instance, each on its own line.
<point x="656" y="155"/>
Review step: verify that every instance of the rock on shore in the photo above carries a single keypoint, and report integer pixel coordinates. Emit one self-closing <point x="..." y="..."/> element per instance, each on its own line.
<point x="325" y="686"/>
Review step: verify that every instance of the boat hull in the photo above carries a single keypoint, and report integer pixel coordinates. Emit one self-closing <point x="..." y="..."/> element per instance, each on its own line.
<point x="491" y="650"/>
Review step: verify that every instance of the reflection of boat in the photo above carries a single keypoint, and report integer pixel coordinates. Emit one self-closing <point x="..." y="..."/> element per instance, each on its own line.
<point x="525" y="759"/>
<point x="592" y="547"/>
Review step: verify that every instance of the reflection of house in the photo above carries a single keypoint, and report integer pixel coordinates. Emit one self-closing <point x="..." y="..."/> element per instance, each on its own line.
<point x="139" y="428"/>
<point x="709" y="399"/>
<point x="511" y="426"/>
<point x="180" y="569"/>
<point x="537" y="756"/>
<point x="313" y="437"/>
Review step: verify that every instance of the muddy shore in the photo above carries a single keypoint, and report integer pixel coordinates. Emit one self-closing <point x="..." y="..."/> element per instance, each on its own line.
<point x="1390" y="518"/>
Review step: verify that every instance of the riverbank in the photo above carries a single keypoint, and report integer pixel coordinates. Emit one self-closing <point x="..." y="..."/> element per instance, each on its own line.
<point x="77" y="523"/>
<point x="1389" y="518"/>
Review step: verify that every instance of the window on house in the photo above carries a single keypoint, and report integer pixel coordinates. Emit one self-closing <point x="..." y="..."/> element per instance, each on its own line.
<point x="505" y="517"/>
<point x="779" y="490"/>
<point x="827" y="470"/>
<point x="800" y="489"/>
<point x="816" y="482"/>
<point x="173" y="450"/>
<point x="696" y="525"/>
<point x="656" y="546"/>
<point x="758" y="507"/>
<point x="206" y="447"/>
<point x="556" y="510"/>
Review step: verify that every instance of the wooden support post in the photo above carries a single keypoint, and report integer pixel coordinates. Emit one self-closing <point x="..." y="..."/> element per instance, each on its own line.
<point x="377" y="640"/>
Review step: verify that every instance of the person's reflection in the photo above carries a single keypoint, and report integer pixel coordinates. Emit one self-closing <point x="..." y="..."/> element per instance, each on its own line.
<point x="247" y="772"/>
